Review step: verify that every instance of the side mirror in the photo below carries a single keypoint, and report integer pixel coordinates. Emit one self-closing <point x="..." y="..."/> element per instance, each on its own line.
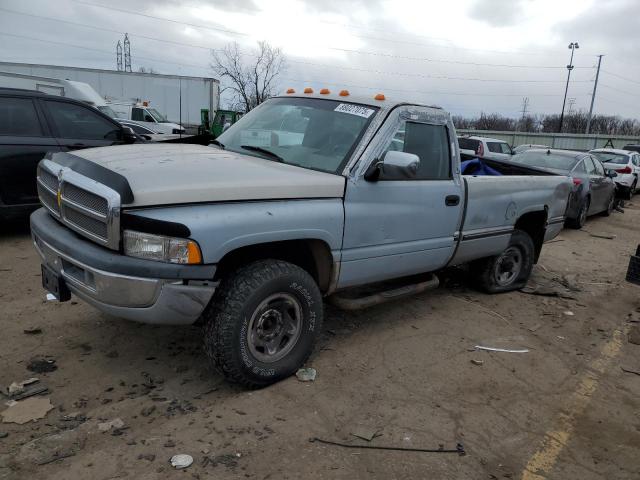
<point x="394" y="166"/>
<point x="128" y="135"/>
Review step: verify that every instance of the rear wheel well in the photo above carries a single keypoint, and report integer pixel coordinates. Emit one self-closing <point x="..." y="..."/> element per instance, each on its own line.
<point x="535" y="224"/>
<point x="314" y="256"/>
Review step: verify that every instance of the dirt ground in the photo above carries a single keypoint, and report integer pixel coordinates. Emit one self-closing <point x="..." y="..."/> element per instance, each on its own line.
<point x="407" y="370"/>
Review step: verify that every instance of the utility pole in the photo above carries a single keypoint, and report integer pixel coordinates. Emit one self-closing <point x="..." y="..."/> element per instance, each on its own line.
<point x="525" y="106"/>
<point x="593" y="96"/>
<point x="572" y="47"/>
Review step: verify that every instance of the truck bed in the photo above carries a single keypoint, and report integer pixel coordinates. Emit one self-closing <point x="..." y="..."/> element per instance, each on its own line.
<point x="494" y="203"/>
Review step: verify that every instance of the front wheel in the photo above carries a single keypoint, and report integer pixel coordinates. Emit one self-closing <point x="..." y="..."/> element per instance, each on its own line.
<point x="610" y="205"/>
<point x="263" y="322"/>
<point x="581" y="218"/>
<point x="510" y="270"/>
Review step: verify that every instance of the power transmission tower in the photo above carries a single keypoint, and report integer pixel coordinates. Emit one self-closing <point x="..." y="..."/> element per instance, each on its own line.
<point x="571" y="102"/>
<point x="119" y="56"/>
<point x="127" y="53"/>
<point x="593" y="96"/>
<point x="525" y="106"/>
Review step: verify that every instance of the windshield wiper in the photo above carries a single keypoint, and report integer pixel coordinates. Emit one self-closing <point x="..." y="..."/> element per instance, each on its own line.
<point x="273" y="156"/>
<point x="216" y="142"/>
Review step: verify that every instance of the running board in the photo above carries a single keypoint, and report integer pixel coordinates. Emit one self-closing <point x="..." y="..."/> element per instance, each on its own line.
<point x="358" y="303"/>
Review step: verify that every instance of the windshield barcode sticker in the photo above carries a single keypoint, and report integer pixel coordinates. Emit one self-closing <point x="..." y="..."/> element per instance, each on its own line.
<point x="354" y="110"/>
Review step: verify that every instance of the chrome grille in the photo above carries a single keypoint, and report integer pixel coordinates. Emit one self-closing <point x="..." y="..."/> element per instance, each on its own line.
<point x="48" y="179"/>
<point x="85" y="222"/>
<point x="88" y="207"/>
<point x="48" y="199"/>
<point x="86" y="199"/>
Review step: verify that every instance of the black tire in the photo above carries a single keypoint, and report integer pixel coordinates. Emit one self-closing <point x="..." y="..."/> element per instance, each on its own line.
<point x="233" y="325"/>
<point x="581" y="218"/>
<point x="632" y="190"/>
<point x="610" y="206"/>
<point x="489" y="274"/>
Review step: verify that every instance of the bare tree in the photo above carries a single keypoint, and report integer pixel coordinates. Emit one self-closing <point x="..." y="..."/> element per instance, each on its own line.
<point x="574" y="122"/>
<point x="252" y="81"/>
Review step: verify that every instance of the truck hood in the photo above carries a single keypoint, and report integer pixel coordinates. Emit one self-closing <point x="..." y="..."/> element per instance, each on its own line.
<point x="180" y="173"/>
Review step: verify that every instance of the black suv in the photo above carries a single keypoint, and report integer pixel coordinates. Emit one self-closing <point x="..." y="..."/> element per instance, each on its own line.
<point x="34" y="123"/>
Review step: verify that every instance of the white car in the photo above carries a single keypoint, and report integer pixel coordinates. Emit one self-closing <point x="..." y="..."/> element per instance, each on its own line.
<point x="484" y="147"/>
<point x="625" y="163"/>
<point x="527" y="146"/>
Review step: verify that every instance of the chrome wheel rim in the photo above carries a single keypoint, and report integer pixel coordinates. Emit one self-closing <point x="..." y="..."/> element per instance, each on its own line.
<point x="508" y="266"/>
<point x="274" y="328"/>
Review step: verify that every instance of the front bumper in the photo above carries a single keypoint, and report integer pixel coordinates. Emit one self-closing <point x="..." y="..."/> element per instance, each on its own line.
<point x="126" y="287"/>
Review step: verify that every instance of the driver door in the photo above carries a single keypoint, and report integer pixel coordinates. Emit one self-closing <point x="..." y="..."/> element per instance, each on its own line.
<point x="395" y="228"/>
<point x="77" y="126"/>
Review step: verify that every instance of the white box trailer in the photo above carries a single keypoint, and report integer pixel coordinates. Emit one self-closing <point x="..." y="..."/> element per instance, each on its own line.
<point x="162" y="92"/>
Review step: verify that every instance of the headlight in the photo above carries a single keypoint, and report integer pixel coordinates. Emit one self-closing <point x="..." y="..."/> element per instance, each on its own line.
<point x="160" y="248"/>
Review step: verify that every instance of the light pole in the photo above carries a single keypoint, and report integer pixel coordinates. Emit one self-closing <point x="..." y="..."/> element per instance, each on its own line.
<point x="572" y="47"/>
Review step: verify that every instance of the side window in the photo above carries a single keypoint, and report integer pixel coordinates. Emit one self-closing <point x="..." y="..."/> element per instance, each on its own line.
<point x="18" y="117"/>
<point x="77" y="121"/>
<point x="137" y="114"/>
<point x="588" y="163"/>
<point x="599" y="167"/>
<point x="636" y="160"/>
<point x="579" y="168"/>
<point x="430" y="143"/>
<point x="505" y="148"/>
<point x="494" y="147"/>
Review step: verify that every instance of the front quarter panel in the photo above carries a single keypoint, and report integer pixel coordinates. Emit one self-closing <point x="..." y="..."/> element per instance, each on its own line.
<point x="220" y="228"/>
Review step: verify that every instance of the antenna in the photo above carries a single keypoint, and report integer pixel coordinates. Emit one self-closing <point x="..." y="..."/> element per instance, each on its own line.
<point x="127" y="53"/>
<point x="119" y="56"/>
<point x="180" y="97"/>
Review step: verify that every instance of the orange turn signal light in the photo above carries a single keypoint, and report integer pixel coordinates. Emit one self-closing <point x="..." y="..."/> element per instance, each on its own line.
<point x="290" y="90"/>
<point x="193" y="252"/>
<point x="379" y="96"/>
<point x="344" y="93"/>
<point x="308" y="90"/>
<point x="325" y="91"/>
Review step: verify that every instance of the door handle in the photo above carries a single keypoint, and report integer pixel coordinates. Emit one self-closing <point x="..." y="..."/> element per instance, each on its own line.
<point x="452" y="200"/>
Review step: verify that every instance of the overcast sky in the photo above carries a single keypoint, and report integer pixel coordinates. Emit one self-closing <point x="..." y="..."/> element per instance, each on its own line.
<point x="465" y="55"/>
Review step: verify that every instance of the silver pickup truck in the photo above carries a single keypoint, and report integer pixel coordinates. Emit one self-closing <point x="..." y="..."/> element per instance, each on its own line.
<point x="307" y="195"/>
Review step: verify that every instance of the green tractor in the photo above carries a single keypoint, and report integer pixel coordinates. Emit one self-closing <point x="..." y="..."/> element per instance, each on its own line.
<point x="223" y="120"/>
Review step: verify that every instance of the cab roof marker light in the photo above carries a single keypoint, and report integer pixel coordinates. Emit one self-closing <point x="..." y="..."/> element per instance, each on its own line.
<point x="344" y="93"/>
<point x="379" y="96"/>
<point x="325" y="91"/>
<point x="290" y="90"/>
<point x="308" y="90"/>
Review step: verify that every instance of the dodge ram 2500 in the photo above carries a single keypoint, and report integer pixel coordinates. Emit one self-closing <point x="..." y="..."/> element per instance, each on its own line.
<point x="307" y="195"/>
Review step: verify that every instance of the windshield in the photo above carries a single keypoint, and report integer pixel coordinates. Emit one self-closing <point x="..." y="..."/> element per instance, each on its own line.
<point x="545" y="160"/>
<point x="157" y="116"/>
<point x="107" y="110"/>
<point x="308" y="132"/>
<point x="610" y="157"/>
